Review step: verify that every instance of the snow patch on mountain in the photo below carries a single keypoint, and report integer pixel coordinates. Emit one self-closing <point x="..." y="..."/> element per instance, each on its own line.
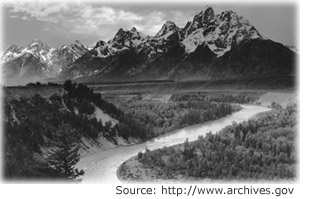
<point x="191" y="42"/>
<point x="123" y="40"/>
<point x="219" y="32"/>
<point x="50" y="60"/>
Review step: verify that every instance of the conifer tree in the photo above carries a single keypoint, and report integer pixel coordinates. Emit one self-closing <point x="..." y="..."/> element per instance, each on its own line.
<point x="63" y="159"/>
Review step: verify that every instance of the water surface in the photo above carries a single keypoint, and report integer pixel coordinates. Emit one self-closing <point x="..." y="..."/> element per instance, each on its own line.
<point x="101" y="167"/>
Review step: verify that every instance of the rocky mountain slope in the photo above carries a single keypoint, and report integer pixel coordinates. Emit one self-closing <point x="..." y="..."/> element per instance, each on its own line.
<point x="38" y="60"/>
<point x="211" y="46"/>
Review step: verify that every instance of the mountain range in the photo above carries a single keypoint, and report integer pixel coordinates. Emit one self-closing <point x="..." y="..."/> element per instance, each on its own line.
<point x="38" y="61"/>
<point x="210" y="46"/>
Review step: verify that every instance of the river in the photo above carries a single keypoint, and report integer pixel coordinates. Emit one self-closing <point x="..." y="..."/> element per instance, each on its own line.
<point x="101" y="167"/>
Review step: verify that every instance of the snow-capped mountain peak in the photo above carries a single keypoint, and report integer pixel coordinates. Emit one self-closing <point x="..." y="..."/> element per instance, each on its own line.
<point x="219" y="32"/>
<point x="200" y="20"/>
<point x="100" y="43"/>
<point x="207" y="15"/>
<point x="36" y="46"/>
<point x="167" y="29"/>
<point x="76" y="50"/>
<point x="36" y="42"/>
<point x="11" y="52"/>
<point x="208" y="45"/>
<point x="49" y="61"/>
<point x="135" y="34"/>
<point x="125" y="37"/>
<point x="123" y="40"/>
<point x="101" y="49"/>
<point x="133" y="29"/>
<point x="77" y="42"/>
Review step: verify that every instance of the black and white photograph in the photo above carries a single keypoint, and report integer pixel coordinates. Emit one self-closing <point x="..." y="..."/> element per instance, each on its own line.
<point x="147" y="92"/>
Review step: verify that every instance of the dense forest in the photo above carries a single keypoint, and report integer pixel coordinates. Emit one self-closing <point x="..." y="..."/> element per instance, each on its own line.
<point x="241" y="98"/>
<point x="261" y="148"/>
<point x="160" y="117"/>
<point x="42" y="135"/>
<point x="33" y="125"/>
<point x="39" y="130"/>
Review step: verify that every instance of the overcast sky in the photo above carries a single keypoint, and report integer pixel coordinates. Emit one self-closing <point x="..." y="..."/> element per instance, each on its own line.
<point x="58" y="23"/>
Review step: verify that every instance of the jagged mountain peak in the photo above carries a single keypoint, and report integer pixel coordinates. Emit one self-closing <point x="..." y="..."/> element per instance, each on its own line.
<point x="37" y="40"/>
<point x="10" y="52"/>
<point x="120" y="31"/>
<point x="219" y="32"/>
<point x="78" y="46"/>
<point x="127" y="39"/>
<point x="12" y="48"/>
<point x="136" y="34"/>
<point x="37" y="43"/>
<point x="207" y="14"/>
<point x="122" y="41"/>
<point x="169" y="23"/>
<point x="100" y="43"/>
<point x="233" y="18"/>
<point x="121" y="34"/>
<point x="133" y="29"/>
<point x="168" y="27"/>
<point x="77" y="42"/>
<point x="228" y="12"/>
<point x="37" y="47"/>
<point x="76" y="49"/>
<point x="40" y="59"/>
<point x="203" y="18"/>
<point x="208" y="8"/>
<point x="207" y="41"/>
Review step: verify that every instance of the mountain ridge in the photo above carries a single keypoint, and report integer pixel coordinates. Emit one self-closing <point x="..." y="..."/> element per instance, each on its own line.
<point x="38" y="61"/>
<point x="210" y="46"/>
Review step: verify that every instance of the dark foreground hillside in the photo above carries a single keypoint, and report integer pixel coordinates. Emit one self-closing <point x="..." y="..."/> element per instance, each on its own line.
<point x="47" y="126"/>
<point x="41" y="133"/>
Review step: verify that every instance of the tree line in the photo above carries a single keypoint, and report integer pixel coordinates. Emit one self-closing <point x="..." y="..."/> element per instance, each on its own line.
<point x="256" y="149"/>
<point x="126" y="127"/>
<point x="42" y="135"/>
<point x="215" y="97"/>
<point x="158" y="118"/>
<point x="42" y="138"/>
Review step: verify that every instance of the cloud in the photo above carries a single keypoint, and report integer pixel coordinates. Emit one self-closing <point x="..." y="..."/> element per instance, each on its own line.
<point x="66" y="11"/>
<point x="49" y="12"/>
<point x="106" y="15"/>
<point x="96" y="20"/>
<point x="99" y="19"/>
<point x="13" y="16"/>
<point x="181" y="18"/>
<point x="25" y="18"/>
<point x="73" y="17"/>
<point x="152" y="23"/>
